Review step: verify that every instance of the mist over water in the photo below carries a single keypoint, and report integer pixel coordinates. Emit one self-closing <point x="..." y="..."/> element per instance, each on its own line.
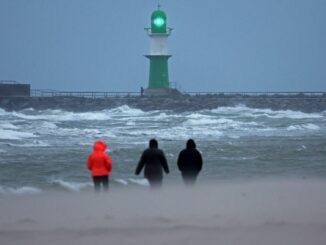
<point x="47" y="150"/>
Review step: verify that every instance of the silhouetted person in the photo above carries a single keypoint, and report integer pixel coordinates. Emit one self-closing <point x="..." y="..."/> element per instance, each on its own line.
<point x="100" y="165"/>
<point x="154" y="162"/>
<point x="141" y="91"/>
<point x="190" y="163"/>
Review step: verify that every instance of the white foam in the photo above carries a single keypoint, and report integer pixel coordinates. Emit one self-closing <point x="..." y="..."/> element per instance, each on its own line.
<point x="242" y="110"/>
<point x="33" y="143"/>
<point x="49" y="125"/>
<point x="130" y="123"/>
<point x="60" y="115"/>
<point x="308" y="126"/>
<point x="196" y="115"/>
<point x="141" y="182"/>
<point x="15" y="135"/>
<point x="25" y="190"/>
<point x="219" y="124"/>
<point x="200" y="121"/>
<point x="7" y="125"/>
<point x="71" y="186"/>
<point x="121" y="181"/>
<point x="3" y="112"/>
<point x="126" y="110"/>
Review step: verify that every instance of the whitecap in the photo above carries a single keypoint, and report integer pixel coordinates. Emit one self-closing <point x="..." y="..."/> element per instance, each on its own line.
<point x="25" y="190"/>
<point x="200" y="121"/>
<point x="242" y="110"/>
<point x="49" y="125"/>
<point x="141" y="182"/>
<point x="130" y="123"/>
<point x="58" y="115"/>
<point x="33" y="143"/>
<point x="15" y="135"/>
<point x="126" y="110"/>
<point x="71" y="186"/>
<point x="3" y="112"/>
<point x="221" y="123"/>
<point x="121" y="181"/>
<point x="7" y="125"/>
<point x="196" y="116"/>
<point x="308" y="126"/>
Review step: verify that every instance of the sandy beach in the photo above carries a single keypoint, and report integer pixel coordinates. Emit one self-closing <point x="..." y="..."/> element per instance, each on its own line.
<point x="259" y="212"/>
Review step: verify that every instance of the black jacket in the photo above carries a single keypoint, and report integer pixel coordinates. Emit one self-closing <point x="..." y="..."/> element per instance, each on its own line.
<point x="154" y="161"/>
<point x="190" y="160"/>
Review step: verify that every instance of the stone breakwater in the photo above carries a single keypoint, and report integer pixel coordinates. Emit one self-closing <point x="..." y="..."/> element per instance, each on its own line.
<point x="304" y="103"/>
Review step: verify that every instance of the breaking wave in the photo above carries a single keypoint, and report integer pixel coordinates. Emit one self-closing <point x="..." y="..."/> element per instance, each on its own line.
<point x="25" y="190"/>
<point x="252" y="112"/>
<point x="15" y="135"/>
<point x="308" y="126"/>
<point x="71" y="186"/>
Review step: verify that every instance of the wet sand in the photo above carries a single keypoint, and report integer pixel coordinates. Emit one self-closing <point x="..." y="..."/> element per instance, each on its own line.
<point x="259" y="212"/>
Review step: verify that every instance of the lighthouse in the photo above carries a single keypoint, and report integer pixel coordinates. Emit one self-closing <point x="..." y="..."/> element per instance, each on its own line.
<point x="158" y="33"/>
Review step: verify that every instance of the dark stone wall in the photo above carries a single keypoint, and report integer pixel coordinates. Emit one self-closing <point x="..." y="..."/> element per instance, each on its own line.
<point x="176" y="103"/>
<point x="12" y="90"/>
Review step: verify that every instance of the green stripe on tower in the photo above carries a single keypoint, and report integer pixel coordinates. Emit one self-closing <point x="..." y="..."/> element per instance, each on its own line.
<point x="158" y="71"/>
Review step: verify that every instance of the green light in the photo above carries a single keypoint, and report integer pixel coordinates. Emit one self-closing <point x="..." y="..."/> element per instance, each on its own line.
<point x="159" y="22"/>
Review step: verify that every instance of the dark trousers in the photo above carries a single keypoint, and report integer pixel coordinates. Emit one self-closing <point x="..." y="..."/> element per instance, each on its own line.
<point x="155" y="183"/>
<point x="101" y="180"/>
<point x="189" y="178"/>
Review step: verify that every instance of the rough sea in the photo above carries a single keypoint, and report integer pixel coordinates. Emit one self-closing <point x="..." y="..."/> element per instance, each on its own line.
<point x="41" y="151"/>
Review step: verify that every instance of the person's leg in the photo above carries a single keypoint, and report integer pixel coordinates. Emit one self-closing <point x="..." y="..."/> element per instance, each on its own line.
<point x="189" y="179"/>
<point x="155" y="183"/>
<point x="105" y="182"/>
<point x="97" y="183"/>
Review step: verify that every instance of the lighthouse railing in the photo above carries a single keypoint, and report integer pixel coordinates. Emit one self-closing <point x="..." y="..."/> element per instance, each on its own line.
<point x="150" y="33"/>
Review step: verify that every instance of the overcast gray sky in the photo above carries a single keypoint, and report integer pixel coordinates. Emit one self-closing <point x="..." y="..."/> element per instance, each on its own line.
<point x="217" y="45"/>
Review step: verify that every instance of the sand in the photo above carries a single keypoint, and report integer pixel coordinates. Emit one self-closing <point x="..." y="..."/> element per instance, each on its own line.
<point x="246" y="213"/>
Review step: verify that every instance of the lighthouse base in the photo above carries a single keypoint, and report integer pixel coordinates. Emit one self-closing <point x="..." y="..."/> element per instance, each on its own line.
<point x="162" y="92"/>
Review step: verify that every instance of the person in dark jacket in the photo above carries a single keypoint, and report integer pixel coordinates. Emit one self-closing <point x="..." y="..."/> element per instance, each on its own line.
<point x="154" y="162"/>
<point x="190" y="163"/>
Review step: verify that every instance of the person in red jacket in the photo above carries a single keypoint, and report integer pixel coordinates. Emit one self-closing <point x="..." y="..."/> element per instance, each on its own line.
<point x="100" y="165"/>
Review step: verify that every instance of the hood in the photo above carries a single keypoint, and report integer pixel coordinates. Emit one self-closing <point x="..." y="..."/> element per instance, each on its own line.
<point x="153" y="144"/>
<point x="191" y="144"/>
<point x="99" y="145"/>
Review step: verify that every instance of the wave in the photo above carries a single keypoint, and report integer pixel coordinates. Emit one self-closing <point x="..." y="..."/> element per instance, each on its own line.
<point x="126" y="110"/>
<point x="58" y="115"/>
<point x="71" y="186"/>
<point x="7" y="125"/>
<point x="308" y="126"/>
<point x="242" y="110"/>
<point x="33" y="143"/>
<point x="121" y="181"/>
<point x="131" y="181"/>
<point x="141" y="182"/>
<point x="25" y="190"/>
<point x="3" y="112"/>
<point x="61" y="115"/>
<point x="218" y="123"/>
<point x="15" y="135"/>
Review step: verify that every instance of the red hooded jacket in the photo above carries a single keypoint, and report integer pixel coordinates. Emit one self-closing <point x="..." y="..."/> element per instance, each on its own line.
<point x="99" y="162"/>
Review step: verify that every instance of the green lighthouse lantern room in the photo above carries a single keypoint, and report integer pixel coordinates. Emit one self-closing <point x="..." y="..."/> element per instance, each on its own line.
<point x="158" y="22"/>
<point x="158" y="55"/>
